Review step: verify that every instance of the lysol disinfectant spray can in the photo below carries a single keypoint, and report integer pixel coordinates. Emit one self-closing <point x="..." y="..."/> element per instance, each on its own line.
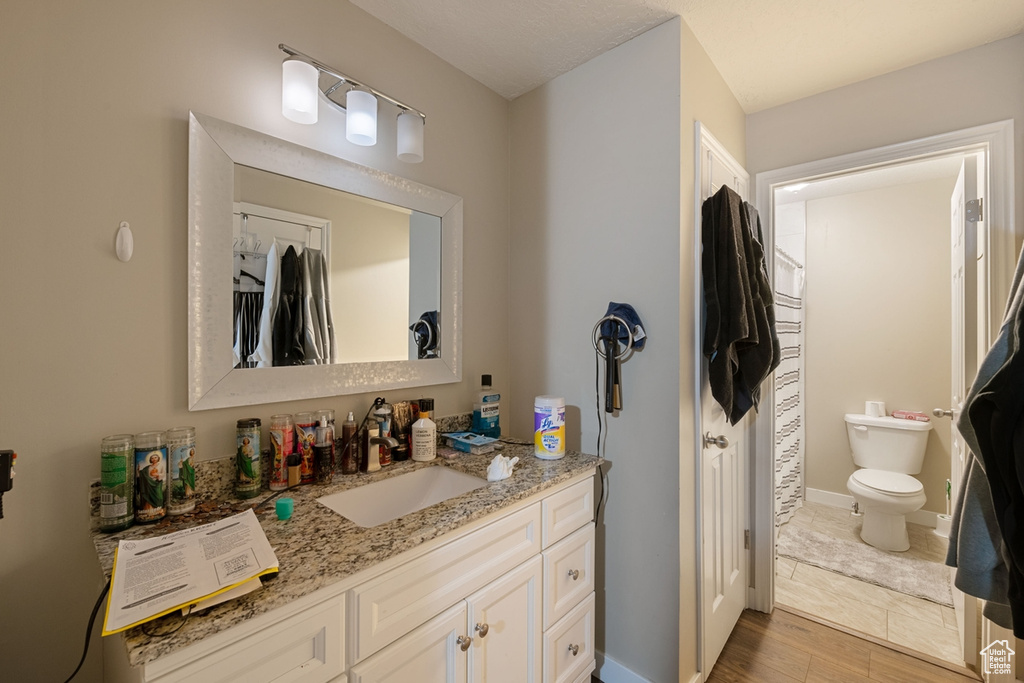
<point x="549" y="427"/>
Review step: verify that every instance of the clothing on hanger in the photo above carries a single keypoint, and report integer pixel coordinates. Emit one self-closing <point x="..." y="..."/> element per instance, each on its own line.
<point x="288" y="319"/>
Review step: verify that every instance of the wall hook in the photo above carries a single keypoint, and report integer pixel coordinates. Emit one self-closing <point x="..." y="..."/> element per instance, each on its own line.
<point x="124" y="243"/>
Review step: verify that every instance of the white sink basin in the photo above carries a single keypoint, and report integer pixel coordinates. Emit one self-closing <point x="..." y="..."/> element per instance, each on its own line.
<point x="389" y="499"/>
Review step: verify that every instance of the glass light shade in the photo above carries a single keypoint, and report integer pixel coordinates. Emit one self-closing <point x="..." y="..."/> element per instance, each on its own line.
<point x="361" y="118"/>
<point x="299" y="90"/>
<point x="410" y="137"/>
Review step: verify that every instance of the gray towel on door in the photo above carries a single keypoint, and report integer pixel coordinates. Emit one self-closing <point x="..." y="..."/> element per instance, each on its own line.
<point x="740" y="340"/>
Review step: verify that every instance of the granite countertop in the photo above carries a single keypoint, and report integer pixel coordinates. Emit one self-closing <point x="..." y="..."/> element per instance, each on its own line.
<point x="318" y="547"/>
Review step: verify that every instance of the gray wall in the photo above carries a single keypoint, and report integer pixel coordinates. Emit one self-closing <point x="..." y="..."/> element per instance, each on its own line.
<point x="95" y="111"/>
<point x="602" y="210"/>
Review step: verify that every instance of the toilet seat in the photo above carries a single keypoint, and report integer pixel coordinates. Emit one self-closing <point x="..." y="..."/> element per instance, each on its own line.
<point x="891" y="483"/>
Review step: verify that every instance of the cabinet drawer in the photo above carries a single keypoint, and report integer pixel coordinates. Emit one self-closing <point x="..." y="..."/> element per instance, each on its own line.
<point x="568" y="510"/>
<point x="394" y="603"/>
<point x="569" y="645"/>
<point x="307" y="647"/>
<point x="568" y="574"/>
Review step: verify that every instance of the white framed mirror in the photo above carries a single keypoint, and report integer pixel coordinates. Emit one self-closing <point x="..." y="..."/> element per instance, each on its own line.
<point x="224" y="160"/>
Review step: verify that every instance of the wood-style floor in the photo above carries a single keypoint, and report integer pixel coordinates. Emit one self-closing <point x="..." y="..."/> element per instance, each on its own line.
<point x="783" y="647"/>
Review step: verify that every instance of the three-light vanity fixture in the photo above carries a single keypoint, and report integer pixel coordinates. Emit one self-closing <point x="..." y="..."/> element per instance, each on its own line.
<point x="305" y="80"/>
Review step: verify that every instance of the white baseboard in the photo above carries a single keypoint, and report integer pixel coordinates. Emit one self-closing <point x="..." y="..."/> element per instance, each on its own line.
<point x="845" y="502"/>
<point x="610" y="671"/>
<point x="835" y="500"/>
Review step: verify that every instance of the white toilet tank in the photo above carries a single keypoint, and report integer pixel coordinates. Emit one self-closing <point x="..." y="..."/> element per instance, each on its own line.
<point x="887" y="443"/>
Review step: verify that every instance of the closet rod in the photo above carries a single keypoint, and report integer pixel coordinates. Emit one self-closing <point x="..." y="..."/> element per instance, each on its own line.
<point x="307" y="226"/>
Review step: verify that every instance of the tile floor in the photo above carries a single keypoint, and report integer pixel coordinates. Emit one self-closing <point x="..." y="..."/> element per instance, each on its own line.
<point x="901" y="619"/>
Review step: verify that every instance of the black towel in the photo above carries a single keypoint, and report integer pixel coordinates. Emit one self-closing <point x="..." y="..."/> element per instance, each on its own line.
<point x="740" y="340"/>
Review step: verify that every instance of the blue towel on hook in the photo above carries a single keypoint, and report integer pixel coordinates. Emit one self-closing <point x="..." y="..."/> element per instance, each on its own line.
<point x="624" y="312"/>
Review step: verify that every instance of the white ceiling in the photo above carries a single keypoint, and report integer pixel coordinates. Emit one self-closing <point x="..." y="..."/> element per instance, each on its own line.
<point x="917" y="171"/>
<point x="769" y="51"/>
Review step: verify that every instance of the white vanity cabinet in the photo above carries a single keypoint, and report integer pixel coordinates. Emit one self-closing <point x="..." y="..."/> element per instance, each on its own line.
<point x="532" y="622"/>
<point x="494" y="635"/>
<point x="507" y="598"/>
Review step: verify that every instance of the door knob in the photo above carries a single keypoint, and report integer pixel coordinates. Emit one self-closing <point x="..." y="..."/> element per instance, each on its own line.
<point x="574" y="649"/>
<point x="482" y="629"/>
<point x="939" y="412"/>
<point x="463" y="642"/>
<point x="574" y="573"/>
<point x="719" y="441"/>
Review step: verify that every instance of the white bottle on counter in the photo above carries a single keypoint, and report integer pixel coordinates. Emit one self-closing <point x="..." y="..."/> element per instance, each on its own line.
<point x="372" y="449"/>
<point x="424" y="433"/>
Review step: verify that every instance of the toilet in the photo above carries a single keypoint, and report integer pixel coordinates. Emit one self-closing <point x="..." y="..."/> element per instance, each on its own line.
<point x="887" y="450"/>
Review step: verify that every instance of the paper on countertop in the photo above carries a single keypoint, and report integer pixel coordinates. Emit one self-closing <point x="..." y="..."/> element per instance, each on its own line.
<point x="155" y="576"/>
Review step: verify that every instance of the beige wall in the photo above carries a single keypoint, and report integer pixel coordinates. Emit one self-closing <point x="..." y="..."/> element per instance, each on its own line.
<point x="602" y="210"/>
<point x="95" y="109"/>
<point x="877" y="321"/>
<point x="970" y="88"/>
<point x="704" y="97"/>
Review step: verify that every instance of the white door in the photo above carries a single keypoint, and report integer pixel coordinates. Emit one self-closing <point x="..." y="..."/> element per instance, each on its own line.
<point x="722" y="463"/>
<point x="969" y="277"/>
<point x="723" y="514"/>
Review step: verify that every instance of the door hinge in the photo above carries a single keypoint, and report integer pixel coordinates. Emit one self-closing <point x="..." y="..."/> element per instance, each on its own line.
<point x="975" y="210"/>
<point x="746" y="539"/>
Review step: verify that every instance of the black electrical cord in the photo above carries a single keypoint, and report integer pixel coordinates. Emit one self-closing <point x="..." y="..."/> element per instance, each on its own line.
<point x="88" y="630"/>
<point x="269" y="498"/>
<point x="597" y="400"/>
<point x="155" y="634"/>
<point x="600" y="413"/>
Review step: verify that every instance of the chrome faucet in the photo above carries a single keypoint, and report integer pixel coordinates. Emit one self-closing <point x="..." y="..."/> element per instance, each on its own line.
<point x="384" y="441"/>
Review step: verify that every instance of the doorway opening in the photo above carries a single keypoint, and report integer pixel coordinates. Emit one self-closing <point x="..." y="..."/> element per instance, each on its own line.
<point x="800" y="420"/>
<point x="862" y="279"/>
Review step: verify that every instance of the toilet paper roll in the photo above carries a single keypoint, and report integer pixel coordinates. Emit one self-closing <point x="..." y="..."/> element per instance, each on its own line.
<point x="874" y="408"/>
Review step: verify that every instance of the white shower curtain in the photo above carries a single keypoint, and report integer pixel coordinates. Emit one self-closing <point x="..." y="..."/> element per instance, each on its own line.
<point x="789" y="387"/>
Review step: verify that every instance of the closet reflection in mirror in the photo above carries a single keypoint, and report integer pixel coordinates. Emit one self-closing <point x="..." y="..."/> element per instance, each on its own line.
<point x="323" y="276"/>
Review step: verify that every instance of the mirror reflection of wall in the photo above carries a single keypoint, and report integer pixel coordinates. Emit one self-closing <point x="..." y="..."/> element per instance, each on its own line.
<point x="424" y="276"/>
<point x="384" y="261"/>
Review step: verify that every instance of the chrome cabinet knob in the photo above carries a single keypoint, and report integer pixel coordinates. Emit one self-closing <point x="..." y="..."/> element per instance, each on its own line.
<point x="464" y="642"/>
<point x="574" y="573"/>
<point x="710" y="440"/>
<point x="939" y="412"/>
<point x="482" y="629"/>
<point x="574" y="649"/>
